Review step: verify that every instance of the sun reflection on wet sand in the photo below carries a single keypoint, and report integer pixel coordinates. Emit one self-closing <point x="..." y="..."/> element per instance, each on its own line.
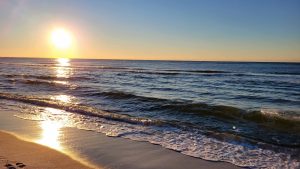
<point x="51" y="133"/>
<point x="51" y="128"/>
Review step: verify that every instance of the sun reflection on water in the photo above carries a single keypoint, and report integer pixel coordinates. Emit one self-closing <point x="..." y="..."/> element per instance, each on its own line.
<point x="63" y="62"/>
<point x="63" y="68"/>
<point x="62" y="98"/>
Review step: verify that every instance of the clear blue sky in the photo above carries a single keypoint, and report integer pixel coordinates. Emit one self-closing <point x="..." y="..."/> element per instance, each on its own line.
<point x="262" y="30"/>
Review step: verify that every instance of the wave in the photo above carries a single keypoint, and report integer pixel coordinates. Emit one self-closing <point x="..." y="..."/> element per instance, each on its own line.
<point x="279" y="120"/>
<point x="134" y="69"/>
<point x="124" y="95"/>
<point x="150" y="71"/>
<point x="44" y="77"/>
<point x="196" y="71"/>
<point x="153" y="72"/>
<point x="266" y="117"/>
<point x="29" y="64"/>
<point x="274" y="119"/>
<point x="286" y="73"/>
<point x="270" y="118"/>
<point x="176" y="72"/>
<point x="210" y="146"/>
<point x="80" y="109"/>
<point x="180" y="114"/>
<point x="55" y="84"/>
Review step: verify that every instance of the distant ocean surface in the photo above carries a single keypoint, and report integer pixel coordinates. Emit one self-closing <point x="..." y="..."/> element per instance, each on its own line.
<point x="247" y="114"/>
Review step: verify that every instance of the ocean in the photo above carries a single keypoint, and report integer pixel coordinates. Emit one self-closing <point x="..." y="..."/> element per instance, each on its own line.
<point x="244" y="113"/>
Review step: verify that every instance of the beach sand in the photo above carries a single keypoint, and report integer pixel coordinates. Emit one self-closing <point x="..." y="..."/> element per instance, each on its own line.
<point x="18" y="153"/>
<point x="91" y="148"/>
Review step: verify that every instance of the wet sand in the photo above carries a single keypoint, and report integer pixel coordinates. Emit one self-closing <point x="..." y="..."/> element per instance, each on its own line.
<point x="17" y="153"/>
<point x="120" y="153"/>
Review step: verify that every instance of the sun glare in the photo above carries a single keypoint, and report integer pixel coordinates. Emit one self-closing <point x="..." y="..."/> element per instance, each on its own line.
<point x="63" y="61"/>
<point x="61" y="38"/>
<point x="62" y="98"/>
<point x="50" y="134"/>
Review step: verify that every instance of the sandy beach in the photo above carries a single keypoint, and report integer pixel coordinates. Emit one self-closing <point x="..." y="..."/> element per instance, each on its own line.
<point x="17" y="153"/>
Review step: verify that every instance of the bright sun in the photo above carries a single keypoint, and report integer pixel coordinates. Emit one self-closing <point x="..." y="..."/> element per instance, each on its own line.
<point x="61" y="38"/>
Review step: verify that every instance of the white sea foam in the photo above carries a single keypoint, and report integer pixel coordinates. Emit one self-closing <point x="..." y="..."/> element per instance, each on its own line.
<point x="189" y="143"/>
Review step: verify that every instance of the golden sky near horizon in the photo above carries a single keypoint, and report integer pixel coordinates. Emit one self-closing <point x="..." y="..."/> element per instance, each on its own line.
<point x="104" y="30"/>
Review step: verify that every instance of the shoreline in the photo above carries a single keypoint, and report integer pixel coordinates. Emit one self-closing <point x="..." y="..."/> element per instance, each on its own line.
<point x="96" y="150"/>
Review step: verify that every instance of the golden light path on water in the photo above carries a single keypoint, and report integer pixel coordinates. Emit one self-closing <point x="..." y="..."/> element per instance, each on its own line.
<point x="62" y="98"/>
<point x="51" y="135"/>
<point x="63" y="68"/>
<point x="63" y="61"/>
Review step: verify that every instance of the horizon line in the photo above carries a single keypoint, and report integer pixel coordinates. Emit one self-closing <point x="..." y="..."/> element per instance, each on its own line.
<point x="27" y="57"/>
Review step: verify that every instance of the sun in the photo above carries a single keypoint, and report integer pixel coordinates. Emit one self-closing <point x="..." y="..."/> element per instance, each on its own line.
<point x="61" y="38"/>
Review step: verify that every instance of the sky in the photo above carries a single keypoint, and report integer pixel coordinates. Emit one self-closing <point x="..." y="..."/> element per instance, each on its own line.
<point x="202" y="30"/>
